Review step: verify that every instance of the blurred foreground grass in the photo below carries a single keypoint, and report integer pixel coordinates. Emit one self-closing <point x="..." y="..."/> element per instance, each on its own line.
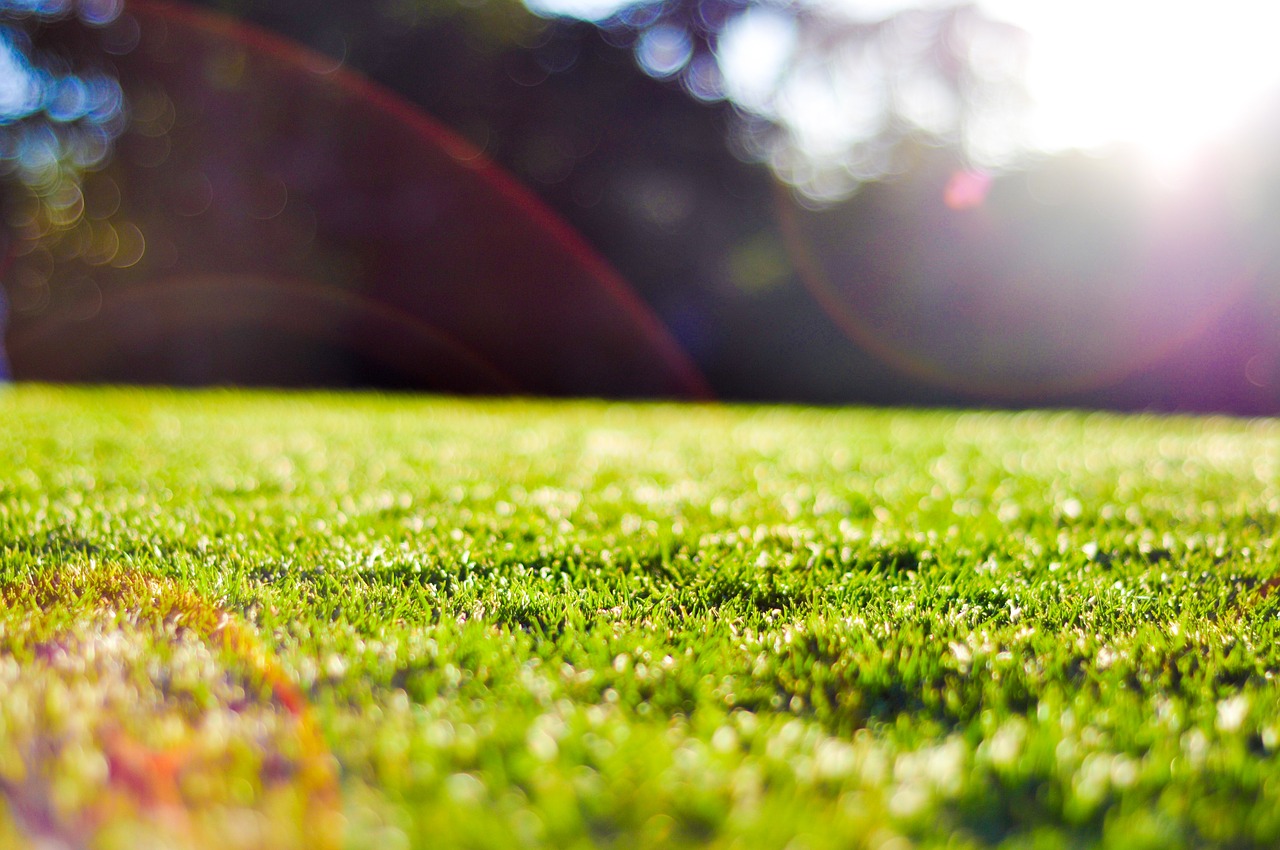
<point x="260" y="620"/>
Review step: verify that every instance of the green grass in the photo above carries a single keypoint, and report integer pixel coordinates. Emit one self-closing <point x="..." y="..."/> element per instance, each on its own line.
<point x="261" y="620"/>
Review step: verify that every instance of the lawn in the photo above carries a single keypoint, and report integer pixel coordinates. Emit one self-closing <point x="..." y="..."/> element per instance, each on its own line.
<point x="306" y="620"/>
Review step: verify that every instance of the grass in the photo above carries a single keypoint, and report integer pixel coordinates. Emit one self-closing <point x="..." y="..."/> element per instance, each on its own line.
<point x="260" y="620"/>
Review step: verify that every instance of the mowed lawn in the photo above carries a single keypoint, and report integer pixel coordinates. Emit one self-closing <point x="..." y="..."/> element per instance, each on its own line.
<point x="269" y="620"/>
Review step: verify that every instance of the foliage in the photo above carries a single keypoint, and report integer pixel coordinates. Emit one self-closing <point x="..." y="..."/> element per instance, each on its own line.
<point x="575" y="625"/>
<point x="850" y="97"/>
<point x="61" y="109"/>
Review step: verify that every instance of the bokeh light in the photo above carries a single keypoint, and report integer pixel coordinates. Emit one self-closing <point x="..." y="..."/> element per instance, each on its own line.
<point x="269" y="217"/>
<point x="664" y="50"/>
<point x="842" y="82"/>
<point x="845" y="90"/>
<point x="59" y="119"/>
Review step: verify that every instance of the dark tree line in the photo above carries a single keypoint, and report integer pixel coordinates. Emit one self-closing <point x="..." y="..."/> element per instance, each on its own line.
<point x="884" y="296"/>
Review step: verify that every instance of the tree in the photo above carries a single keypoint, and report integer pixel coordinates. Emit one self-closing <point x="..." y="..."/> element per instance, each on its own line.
<point x="635" y="129"/>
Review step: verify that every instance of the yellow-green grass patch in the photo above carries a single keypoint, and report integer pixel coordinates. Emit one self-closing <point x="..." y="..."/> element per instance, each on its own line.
<point x="135" y="715"/>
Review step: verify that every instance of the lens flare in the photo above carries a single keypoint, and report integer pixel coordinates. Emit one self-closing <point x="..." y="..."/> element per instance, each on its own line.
<point x="1009" y="302"/>
<point x="254" y="170"/>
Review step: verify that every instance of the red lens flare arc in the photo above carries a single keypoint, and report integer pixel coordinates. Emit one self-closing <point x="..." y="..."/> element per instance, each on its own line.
<point x="252" y="157"/>
<point x="311" y="63"/>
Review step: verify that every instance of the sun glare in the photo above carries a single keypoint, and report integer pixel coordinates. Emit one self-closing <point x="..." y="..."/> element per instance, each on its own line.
<point x="1166" y="79"/>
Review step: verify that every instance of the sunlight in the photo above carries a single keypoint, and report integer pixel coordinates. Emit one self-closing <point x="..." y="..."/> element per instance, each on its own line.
<point x="587" y="10"/>
<point x="753" y="50"/>
<point x="1165" y="79"/>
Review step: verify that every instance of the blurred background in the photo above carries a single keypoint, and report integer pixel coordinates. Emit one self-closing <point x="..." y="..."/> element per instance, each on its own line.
<point x="990" y="203"/>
